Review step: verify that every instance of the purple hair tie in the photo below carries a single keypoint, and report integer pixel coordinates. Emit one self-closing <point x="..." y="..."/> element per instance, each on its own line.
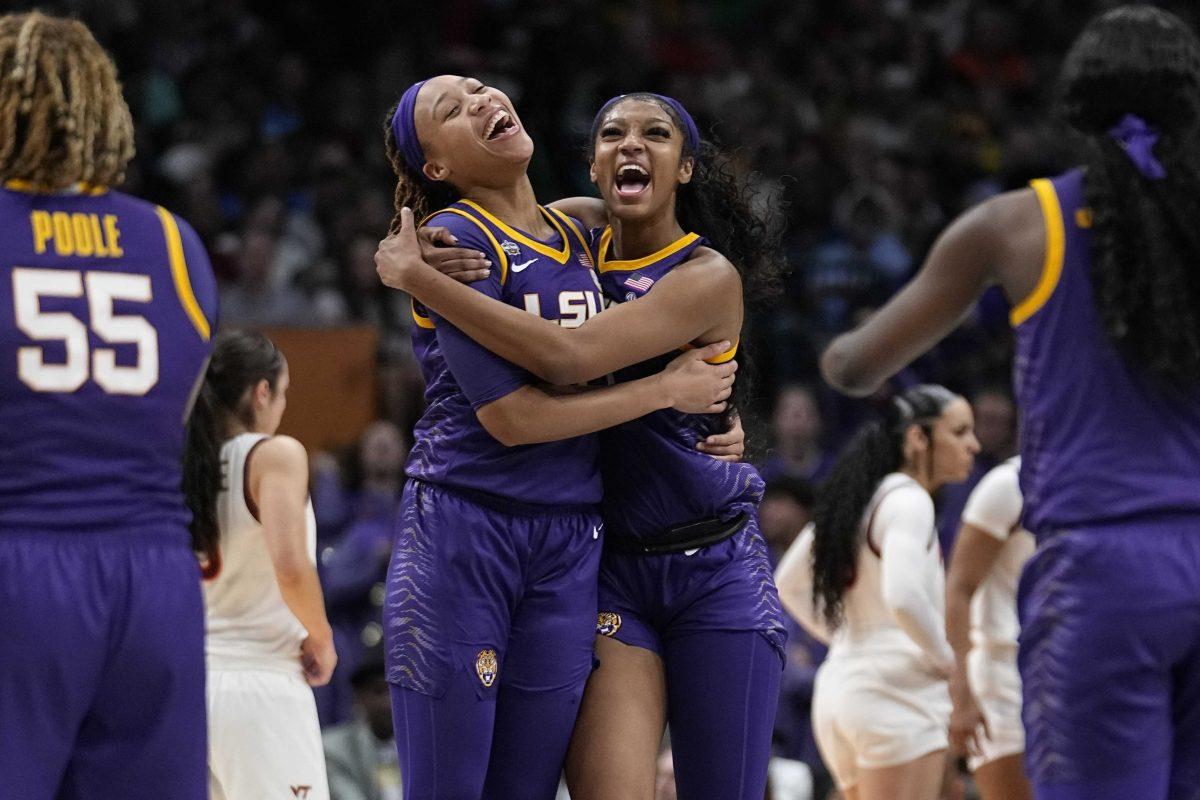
<point x="404" y="128"/>
<point x="1137" y="138"/>
<point x="691" y="132"/>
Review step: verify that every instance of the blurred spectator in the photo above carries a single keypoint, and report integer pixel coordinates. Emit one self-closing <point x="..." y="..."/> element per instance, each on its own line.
<point x="360" y="755"/>
<point x="796" y="447"/>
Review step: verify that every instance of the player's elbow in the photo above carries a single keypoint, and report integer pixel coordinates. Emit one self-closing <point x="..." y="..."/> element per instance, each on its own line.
<point x="504" y="425"/>
<point x="845" y="372"/>
<point x="562" y="364"/>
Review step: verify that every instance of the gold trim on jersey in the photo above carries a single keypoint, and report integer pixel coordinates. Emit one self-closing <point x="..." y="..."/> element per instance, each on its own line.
<point x="1055" y="250"/>
<point x="570" y="223"/>
<point x="628" y="266"/>
<point x="560" y="256"/>
<point x="421" y="320"/>
<point x="498" y="253"/>
<point x="721" y="359"/>
<point x="179" y="273"/>
<point x="19" y="185"/>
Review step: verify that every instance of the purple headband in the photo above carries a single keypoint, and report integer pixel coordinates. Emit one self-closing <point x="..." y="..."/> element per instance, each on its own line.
<point x="404" y="128"/>
<point x="689" y="125"/>
<point x="1137" y="138"/>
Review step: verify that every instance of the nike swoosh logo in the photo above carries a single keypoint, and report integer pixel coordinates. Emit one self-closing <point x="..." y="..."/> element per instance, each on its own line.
<point x="596" y="531"/>
<point x="519" y="267"/>
<point x="691" y="552"/>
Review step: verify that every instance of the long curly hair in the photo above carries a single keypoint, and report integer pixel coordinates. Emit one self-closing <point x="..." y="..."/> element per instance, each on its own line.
<point x="1145" y="238"/>
<point x="876" y="450"/>
<point x="63" y="119"/>
<point x="726" y="208"/>
<point x="240" y="359"/>
<point x="413" y="189"/>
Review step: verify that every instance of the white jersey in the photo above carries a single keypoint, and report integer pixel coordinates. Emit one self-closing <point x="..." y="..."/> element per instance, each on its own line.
<point x="248" y="623"/>
<point x="995" y="508"/>
<point x="898" y="600"/>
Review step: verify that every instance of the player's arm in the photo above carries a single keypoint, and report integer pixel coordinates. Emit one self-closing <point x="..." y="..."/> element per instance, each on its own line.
<point x="905" y="522"/>
<point x="680" y="311"/>
<point x="588" y="210"/>
<point x="278" y="478"/>
<point x="965" y="260"/>
<point x="529" y="415"/>
<point x="794" y="579"/>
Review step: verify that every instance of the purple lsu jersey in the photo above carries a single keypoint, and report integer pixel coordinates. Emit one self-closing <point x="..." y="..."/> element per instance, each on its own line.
<point x="654" y="478"/>
<point x="107" y="305"/>
<point x="554" y="280"/>
<point x="1101" y="441"/>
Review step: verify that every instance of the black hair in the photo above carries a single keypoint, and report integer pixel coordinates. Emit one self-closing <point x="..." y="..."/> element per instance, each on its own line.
<point x="876" y="450"/>
<point x="721" y="205"/>
<point x="240" y="359"/>
<point x="413" y="189"/>
<point x="1145" y="241"/>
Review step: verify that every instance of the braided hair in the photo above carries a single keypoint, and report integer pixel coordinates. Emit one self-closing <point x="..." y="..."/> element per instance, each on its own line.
<point x="413" y="189"/>
<point x="1143" y="61"/>
<point x="63" y="119"/>
<point x="876" y="451"/>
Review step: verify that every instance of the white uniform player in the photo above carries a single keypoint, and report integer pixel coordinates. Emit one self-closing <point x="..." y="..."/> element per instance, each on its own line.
<point x="881" y="696"/>
<point x="264" y="737"/>
<point x="994" y="507"/>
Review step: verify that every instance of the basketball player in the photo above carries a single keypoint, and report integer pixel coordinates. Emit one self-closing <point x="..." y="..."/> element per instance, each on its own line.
<point x="491" y="605"/>
<point x="267" y="631"/>
<point x="866" y="576"/>
<point x="981" y="625"/>
<point x="687" y="605"/>
<point x="106" y="307"/>
<point x="1100" y="265"/>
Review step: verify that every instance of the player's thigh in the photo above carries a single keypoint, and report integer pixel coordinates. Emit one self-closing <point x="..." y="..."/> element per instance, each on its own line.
<point x="620" y="726"/>
<point x="146" y="730"/>
<point x="723" y="690"/>
<point x="919" y="779"/>
<point x="264" y="738"/>
<point x="1003" y="779"/>
<point x="1185" y="755"/>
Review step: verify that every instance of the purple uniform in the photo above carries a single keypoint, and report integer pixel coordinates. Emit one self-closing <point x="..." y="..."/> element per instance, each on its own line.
<point x="106" y="310"/>
<point x="711" y="613"/>
<point x="491" y="602"/>
<point x="1110" y="609"/>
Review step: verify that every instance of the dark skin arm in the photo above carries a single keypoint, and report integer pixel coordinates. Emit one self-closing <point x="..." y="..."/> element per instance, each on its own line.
<point x="1002" y="240"/>
<point x="588" y="210"/>
<point x="700" y="300"/>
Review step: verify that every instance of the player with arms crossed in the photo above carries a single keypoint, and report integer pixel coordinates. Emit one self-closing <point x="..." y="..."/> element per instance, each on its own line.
<point x="866" y="577"/>
<point x="1101" y="267"/>
<point x="106" y="307"/>
<point x="491" y="605"/>
<point x="267" y="631"/>
<point x="981" y="624"/>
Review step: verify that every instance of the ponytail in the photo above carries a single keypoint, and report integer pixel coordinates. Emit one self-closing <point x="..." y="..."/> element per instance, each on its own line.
<point x="202" y="478"/>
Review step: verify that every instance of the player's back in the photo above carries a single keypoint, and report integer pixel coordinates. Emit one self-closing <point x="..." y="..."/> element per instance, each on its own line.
<point x="1102" y="442"/>
<point x="107" y="304"/>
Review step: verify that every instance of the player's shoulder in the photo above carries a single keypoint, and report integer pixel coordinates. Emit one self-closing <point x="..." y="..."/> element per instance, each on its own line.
<point x="282" y="452"/>
<point x="1005" y="477"/>
<point x="711" y="266"/>
<point x="899" y="493"/>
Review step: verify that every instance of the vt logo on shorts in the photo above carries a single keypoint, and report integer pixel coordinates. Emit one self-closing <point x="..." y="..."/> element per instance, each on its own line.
<point x="486" y="667"/>
<point x="608" y="623"/>
<point x="301" y="792"/>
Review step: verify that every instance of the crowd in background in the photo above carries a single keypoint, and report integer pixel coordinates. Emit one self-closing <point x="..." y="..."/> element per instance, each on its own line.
<point x="866" y="124"/>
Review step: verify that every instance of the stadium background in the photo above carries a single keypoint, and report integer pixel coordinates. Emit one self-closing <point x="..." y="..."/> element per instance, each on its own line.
<point x="870" y="123"/>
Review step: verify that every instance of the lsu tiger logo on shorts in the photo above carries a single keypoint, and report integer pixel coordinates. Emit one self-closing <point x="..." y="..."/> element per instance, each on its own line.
<point x="608" y="623"/>
<point x="486" y="667"/>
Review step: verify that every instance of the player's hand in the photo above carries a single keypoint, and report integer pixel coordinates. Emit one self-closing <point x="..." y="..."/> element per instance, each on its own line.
<point x="439" y="250"/>
<point x="728" y="446"/>
<point x="968" y="726"/>
<point x="318" y="658"/>
<point x="694" y="387"/>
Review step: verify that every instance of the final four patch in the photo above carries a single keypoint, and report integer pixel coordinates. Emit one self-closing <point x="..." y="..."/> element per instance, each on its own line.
<point x="608" y="623"/>
<point x="486" y="667"/>
<point x="510" y="248"/>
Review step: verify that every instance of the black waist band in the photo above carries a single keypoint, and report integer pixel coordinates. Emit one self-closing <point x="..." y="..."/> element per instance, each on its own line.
<point x="681" y="538"/>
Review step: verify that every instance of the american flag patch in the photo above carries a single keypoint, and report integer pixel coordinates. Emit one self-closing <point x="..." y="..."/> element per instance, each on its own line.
<point x="639" y="282"/>
<point x="585" y="258"/>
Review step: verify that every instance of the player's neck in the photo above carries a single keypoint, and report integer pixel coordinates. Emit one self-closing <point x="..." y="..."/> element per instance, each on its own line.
<point x="921" y="476"/>
<point x="516" y="205"/>
<point x="644" y="237"/>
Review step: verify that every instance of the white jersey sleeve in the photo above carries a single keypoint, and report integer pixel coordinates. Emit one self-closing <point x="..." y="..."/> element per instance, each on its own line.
<point x="995" y="504"/>
<point x="794" y="579"/>
<point x="911" y="572"/>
